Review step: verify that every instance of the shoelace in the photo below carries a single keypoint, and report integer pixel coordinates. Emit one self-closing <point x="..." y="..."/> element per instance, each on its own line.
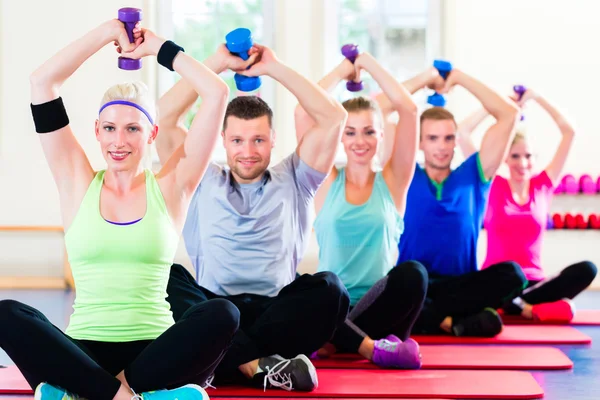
<point x="278" y="379"/>
<point x="136" y="396"/>
<point x="208" y="383"/>
<point x="386" y="345"/>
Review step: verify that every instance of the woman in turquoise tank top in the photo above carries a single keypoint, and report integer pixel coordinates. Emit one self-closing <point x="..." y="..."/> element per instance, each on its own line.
<point x="122" y="227"/>
<point x="360" y="219"/>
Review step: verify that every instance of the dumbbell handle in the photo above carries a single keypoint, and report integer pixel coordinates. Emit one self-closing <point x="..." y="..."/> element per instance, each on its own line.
<point x="351" y="52"/>
<point x="520" y="90"/>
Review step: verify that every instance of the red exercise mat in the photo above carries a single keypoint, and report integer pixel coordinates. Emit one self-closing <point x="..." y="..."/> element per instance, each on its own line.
<point x="582" y="317"/>
<point x="13" y="382"/>
<point x="368" y="383"/>
<point x="513" y="334"/>
<point x="337" y="383"/>
<point x="466" y="357"/>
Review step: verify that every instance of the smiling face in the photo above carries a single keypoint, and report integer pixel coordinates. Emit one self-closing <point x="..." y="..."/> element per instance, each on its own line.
<point x="124" y="134"/>
<point x="362" y="137"/>
<point x="248" y="144"/>
<point x="520" y="159"/>
<point x="438" y="138"/>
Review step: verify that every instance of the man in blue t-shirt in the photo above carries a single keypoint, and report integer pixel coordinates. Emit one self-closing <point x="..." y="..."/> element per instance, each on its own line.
<point x="248" y="227"/>
<point x="444" y="214"/>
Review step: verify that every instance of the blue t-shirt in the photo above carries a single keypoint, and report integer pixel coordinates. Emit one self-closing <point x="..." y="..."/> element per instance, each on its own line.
<point x="442" y="221"/>
<point x="249" y="238"/>
<point x="358" y="242"/>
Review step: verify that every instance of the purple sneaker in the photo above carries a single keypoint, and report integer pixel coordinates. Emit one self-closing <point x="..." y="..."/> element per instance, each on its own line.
<point x="396" y="354"/>
<point x="393" y="338"/>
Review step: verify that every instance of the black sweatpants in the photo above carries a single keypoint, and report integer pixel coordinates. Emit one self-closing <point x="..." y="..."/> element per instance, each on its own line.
<point x="187" y="352"/>
<point x="299" y="320"/>
<point x="468" y="294"/>
<point x="391" y="306"/>
<point x="569" y="283"/>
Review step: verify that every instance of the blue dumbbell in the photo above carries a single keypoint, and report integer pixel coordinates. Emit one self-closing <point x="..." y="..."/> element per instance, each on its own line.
<point x="239" y="41"/>
<point x="444" y="68"/>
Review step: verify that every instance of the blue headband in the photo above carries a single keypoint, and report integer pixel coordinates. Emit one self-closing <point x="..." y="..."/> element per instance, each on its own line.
<point x="127" y="103"/>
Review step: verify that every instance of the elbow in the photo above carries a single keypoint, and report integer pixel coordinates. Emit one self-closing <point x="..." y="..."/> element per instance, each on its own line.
<point x="223" y="90"/>
<point x="339" y="115"/>
<point x="409" y="110"/>
<point x="334" y="117"/>
<point x="511" y="115"/>
<point x="39" y="79"/>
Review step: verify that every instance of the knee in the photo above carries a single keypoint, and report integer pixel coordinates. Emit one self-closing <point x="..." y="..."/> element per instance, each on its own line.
<point x="8" y="309"/>
<point x="331" y="290"/>
<point x="409" y="277"/>
<point x="222" y="315"/>
<point x="586" y="271"/>
<point x="512" y="274"/>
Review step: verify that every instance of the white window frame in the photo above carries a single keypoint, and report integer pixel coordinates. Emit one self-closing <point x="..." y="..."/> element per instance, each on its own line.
<point x="331" y="48"/>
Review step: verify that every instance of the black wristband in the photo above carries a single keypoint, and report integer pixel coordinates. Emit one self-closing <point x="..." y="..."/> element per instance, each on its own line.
<point x="49" y="117"/>
<point x="167" y="54"/>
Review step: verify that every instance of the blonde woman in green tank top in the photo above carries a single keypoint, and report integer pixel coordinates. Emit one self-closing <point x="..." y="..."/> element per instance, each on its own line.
<point x="122" y="226"/>
<point x="360" y="210"/>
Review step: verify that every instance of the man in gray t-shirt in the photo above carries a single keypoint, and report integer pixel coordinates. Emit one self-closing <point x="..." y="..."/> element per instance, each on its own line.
<point x="248" y="227"/>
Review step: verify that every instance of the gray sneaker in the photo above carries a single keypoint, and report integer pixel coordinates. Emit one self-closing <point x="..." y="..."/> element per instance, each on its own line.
<point x="297" y="373"/>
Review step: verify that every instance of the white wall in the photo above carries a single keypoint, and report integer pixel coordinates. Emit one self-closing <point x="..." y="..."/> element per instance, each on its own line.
<point x="545" y="44"/>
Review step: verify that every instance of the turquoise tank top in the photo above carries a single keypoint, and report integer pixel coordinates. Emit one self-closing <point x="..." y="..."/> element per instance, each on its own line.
<point x="121" y="271"/>
<point x="358" y="243"/>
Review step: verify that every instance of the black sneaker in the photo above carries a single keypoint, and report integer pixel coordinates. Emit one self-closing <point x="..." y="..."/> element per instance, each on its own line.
<point x="294" y="374"/>
<point x="487" y="323"/>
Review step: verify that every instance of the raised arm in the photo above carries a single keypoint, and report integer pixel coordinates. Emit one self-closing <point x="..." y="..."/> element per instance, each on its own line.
<point x="302" y="119"/>
<point x="178" y="100"/>
<point x="430" y="78"/>
<point x="465" y="129"/>
<point x="319" y="144"/>
<point x="498" y="137"/>
<point x="554" y="169"/>
<point x="68" y="163"/>
<point x="398" y="171"/>
<point x="187" y="164"/>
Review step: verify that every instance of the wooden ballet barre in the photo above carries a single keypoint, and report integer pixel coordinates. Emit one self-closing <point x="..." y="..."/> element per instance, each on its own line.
<point x="32" y="228"/>
<point x="34" y="281"/>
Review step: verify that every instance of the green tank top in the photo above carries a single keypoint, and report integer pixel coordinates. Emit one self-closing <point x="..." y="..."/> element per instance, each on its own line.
<point x="121" y="271"/>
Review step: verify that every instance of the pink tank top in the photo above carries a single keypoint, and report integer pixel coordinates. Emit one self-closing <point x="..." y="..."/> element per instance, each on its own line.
<point x="515" y="232"/>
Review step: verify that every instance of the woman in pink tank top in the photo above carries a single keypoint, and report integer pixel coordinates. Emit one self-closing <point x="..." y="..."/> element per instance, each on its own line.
<point x="516" y="220"/>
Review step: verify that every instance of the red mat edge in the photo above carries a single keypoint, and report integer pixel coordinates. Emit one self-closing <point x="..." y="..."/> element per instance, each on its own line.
<point x="363" y="364"/>
<point x="582" y="318"/>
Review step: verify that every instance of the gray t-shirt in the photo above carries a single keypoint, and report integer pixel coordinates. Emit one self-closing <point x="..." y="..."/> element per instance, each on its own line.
<point x="249" y="238"/>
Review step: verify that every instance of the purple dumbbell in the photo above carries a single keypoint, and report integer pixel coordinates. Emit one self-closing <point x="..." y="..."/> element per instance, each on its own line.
<point x="129" y="17"/>
<point x="350" y="51"/>
<point x="520" y="90"/>
<point x="587" y="184"/>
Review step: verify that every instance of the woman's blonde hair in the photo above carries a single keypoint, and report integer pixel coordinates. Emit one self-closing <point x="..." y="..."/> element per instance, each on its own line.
<point x="135" y="92"/>
<point x="518" y="136"/>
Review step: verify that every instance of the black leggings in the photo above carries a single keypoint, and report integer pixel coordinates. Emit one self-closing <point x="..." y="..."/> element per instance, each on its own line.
<point x="468" y="294"/>
<point x="391" y="306"/>
<point x="187" y="352"/>
<point x="299" y="320"/>
<point x="569" y="283"/>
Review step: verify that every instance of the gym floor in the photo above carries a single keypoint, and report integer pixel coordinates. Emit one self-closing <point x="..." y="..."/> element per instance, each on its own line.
<point x="578" y="384"/>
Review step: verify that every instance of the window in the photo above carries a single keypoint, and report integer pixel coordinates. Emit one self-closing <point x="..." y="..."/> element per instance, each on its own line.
<point x="200" y="26"/>
<point x="403" y="35"/>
